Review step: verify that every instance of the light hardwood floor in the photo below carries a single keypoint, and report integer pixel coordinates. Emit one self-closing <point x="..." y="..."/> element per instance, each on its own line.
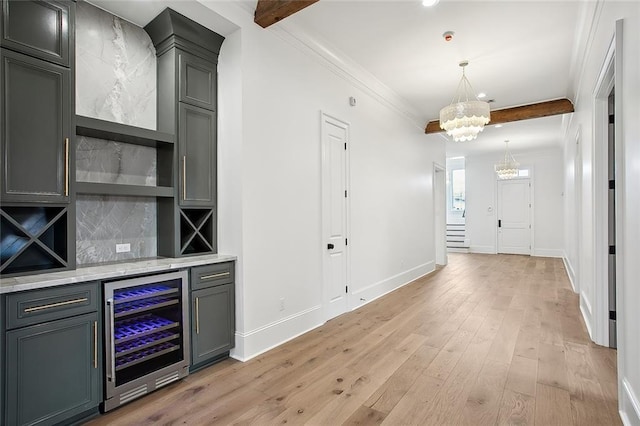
<point x="486" y="340"/>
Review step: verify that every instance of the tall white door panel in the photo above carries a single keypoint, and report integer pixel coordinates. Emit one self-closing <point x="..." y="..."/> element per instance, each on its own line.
<point x="514" y="216"/>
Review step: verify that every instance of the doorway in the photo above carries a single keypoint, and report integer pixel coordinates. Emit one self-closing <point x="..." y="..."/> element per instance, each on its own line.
<point x="514" y="216"/>
<point x="440" y="213"/>
<point x="335" y="215"/>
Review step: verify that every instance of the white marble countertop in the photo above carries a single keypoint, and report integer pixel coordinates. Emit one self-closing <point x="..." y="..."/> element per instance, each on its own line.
<point x="101" y="272"/>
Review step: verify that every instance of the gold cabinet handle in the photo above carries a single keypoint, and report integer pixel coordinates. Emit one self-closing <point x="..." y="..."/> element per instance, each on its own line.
<point x="208" y="277"/>
<point x="184" y="177"/>
<point x="54" y="305"/>
<point x="95" y="344"/>
<point x="197" y="315"/>
<point x="66" y="167"/>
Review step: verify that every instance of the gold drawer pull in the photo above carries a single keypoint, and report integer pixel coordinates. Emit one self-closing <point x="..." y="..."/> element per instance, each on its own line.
<point x="197" y="315"/>
<point x="95" y="344"/>
<point x="220" y="275"/>
<point x="55" y="305"/>
<point x="66" y="167"/>
<point x="184" y="178"/>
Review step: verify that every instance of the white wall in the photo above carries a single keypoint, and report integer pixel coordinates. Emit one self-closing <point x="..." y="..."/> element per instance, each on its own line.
<point x="548" y="205"/>
<point x="272" y="92"/>
<point x="596" y="39"/>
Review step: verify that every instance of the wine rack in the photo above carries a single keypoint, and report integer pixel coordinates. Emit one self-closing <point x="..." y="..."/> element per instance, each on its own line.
<point x="146" y="331"/>
<point x="33" y="239"/>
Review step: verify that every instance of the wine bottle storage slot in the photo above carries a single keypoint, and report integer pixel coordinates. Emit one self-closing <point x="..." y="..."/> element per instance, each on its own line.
<point x="32" y="239"/>
<point x="144" y="342"/>
<point x="145" y="355"/>
<point x="139" y="327"/>
<point x="140" y="306"/>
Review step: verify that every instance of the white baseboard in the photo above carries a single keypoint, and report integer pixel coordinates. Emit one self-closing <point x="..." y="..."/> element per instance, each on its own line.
<point x="482" y="249"/>
<point x="547" y="252"/>
<point x="265" y="338"/>
<point x="379" y="289"/>
<point x="629" y="405"/>
<point x="587" y="321"/>
<point x="571" y="273"/>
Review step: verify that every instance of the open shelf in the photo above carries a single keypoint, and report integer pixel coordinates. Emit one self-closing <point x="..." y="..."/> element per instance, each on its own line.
<point x="33" y="239"/>
<point x="108" y="130"/>
<point x="97" y="188"/>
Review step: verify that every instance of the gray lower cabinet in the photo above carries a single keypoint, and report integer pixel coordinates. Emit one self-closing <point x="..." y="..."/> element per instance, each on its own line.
<point x="212" y="313"/>
<point x="52" y="363"/>
<point x="36" y="129"/>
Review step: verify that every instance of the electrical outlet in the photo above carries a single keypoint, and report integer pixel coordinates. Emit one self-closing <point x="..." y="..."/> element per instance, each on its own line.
<point x="282" y="303"/>
<point x="123" y="248"/>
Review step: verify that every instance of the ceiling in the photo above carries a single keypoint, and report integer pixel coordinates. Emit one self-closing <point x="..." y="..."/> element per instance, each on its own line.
<point x="519" y="52"/>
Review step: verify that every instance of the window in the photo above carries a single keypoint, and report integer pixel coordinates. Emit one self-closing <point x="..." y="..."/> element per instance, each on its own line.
<point x="457" y="190"/>
<point x="523" y="173"/>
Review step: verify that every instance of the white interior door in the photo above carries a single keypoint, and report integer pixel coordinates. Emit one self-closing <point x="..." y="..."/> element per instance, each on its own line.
<point x="335" y="135"/>
<point x="514" y="216"/>
<point x="440" y="215"/>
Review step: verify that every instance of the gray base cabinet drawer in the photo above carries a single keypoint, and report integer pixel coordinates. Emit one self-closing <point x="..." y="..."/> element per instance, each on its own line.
<point x="213" y="322"/>
<point x="212" y="275"/>
<point x="38" y="306"/>
<point x="52" y="371"/>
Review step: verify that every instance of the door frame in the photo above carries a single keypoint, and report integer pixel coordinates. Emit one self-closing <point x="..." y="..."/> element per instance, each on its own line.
<point x="440" y="249"/>
<point x="531" y="215"/>
<point x="328" y="118"/>
<point x="608" y="78"/>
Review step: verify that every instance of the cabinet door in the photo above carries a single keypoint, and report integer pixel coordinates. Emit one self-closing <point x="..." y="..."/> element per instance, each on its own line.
<point x="43" y="29"/>
<point x="213" y="322"/>
<point x="35" y="129"/>
<point x="198" y="82"/>
<point x="197" y="151"/>
<point x="53" y="370"/>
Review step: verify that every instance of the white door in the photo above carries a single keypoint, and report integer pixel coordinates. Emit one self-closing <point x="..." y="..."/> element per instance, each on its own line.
<point x="335" y="134"/>
<point x="440" y="216"/>
<point x="514" y="216"/>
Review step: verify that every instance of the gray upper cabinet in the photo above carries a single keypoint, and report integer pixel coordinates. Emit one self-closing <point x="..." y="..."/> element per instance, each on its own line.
<point x="197" y="156"/>
<point x="198" y="82"/>
<point x="36" y="126"/>
<point x="40" y="29"/>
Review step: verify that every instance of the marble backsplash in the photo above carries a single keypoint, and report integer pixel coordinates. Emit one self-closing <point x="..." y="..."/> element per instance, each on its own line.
<point x="102" y="222"/>
<point x="105" y="161"/>
<point x="115" y="81"/>
<point x="115" y="69"/>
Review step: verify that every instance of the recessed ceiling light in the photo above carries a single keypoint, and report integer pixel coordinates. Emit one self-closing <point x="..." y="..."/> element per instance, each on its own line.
<point x="482" y="95"/>
<point x="429" y="3"/>
<point x="497" y="126"/>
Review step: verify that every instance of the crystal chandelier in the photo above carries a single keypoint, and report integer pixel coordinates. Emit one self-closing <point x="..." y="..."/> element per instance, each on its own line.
<point x="508" y="167"/>
<point x="464" y="118"/>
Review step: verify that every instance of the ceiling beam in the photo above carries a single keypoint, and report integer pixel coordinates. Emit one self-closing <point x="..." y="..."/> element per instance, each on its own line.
<point x="268" y="12"/>
<point x="524" y="112"/>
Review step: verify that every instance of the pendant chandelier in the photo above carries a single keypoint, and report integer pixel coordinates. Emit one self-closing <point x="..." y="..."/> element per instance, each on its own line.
<point x="508" y="167"/>
<point x="466" y="116"/>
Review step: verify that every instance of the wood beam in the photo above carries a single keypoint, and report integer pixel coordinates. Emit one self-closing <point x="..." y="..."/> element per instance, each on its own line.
<point x="268" y="12"/>
<point x="524" y="112"/>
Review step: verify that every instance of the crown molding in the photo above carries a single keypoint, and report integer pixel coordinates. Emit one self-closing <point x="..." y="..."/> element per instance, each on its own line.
<point x="346" y="68"/>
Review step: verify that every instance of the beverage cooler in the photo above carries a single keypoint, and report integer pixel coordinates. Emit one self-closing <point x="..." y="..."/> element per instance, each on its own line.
<point x="147" y="336"/>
